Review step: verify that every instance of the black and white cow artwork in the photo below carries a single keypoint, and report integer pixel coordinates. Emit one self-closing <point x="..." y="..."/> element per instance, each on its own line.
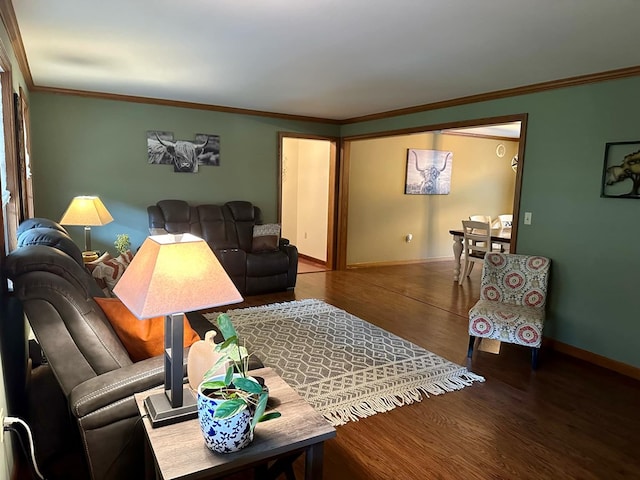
<point x="184" y="155"/>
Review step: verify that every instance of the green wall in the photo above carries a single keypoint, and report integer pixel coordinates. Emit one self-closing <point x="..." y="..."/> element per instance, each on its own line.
<point x="85" y="146"/>
<point x="592" y="241"/>
<point x="90" y="146"/>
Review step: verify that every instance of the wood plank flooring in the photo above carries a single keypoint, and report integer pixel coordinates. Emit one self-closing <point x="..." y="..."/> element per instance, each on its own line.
<point x="568" y="420"/>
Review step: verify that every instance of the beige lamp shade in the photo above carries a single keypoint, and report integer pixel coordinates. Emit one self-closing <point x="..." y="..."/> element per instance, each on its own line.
<point x="86" y="211"/>
<point x="172" y="274"/>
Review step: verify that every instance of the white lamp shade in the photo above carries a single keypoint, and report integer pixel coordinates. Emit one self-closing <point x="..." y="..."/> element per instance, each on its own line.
<point x="173" y="274"/>
<point x="86" y="211"/>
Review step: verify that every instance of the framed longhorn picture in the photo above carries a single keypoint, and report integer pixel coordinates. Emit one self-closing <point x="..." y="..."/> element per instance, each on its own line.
<point x="621" y="170"/>
<point x="428" y="172"/>
<point x="185" y="155"/>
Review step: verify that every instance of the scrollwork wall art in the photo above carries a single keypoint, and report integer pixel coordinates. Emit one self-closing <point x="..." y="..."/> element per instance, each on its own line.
<point x="428" y="172"/>
<point x="621" y="171"/>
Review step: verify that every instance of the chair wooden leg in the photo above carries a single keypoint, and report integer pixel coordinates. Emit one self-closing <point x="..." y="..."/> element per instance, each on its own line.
<point x="466" y="271"/>
<point x="463" y="273"/>
<point x="472" y="341"/>
<point x="534" y="358"/>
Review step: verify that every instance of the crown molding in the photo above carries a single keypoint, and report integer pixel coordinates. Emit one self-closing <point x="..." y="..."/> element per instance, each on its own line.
<point x="180" y="104"/>
<point x="13" y="31"/>
<point x="498" y="94"/>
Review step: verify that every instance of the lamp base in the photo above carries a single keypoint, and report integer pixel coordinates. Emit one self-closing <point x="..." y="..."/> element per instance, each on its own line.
<point x="89" y="256"/>
<point x="162" y="413"/>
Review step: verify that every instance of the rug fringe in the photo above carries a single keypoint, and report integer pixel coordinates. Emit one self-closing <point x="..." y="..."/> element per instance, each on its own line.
<point x="386" y="403"/>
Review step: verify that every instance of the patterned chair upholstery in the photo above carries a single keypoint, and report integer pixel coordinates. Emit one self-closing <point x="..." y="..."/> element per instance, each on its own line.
<point x="512" y="301"/>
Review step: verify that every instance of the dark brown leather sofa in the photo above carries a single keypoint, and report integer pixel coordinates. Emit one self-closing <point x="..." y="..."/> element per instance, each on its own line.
<point x="228" y="229"/>
<point x="90" y="404"/>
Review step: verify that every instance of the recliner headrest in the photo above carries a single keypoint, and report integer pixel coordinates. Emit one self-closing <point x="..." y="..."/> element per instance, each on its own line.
<point x="44" y="258"/>
<point x="242" y="211"/>
<point x="39" y="223"/>
<point x="51" y="238"/>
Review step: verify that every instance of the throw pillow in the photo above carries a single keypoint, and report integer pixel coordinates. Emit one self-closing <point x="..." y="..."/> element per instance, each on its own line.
<point x="108" y="272"/>
<point x="141" y="338"/>
<point x="266" y="237"/>
<point x="94" y="263"/>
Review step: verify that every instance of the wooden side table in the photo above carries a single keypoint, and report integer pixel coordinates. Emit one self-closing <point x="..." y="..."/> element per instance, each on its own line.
<point x="179" y="451"/>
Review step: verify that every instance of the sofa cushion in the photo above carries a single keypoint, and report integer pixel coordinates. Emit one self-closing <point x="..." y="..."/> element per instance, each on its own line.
<point x="141" y="338"/>
<point x="216" y="228"/>
<point x="265" y="264"/>
<point x="266" y="238"/>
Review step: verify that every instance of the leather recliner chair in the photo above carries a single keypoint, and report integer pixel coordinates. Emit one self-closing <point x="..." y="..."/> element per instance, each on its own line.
<point x="228" y="229"/>
<point x="87" y="358"/>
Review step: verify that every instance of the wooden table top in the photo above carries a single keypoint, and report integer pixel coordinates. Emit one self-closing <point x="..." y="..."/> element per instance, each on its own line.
<point x="181" y="453"/>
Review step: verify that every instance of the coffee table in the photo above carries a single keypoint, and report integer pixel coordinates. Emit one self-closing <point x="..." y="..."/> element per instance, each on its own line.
<point x="179" y="451"/>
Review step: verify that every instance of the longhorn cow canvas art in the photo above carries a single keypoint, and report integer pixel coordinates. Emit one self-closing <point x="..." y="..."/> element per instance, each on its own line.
<point x="428" y="172"/>
<point x="621" y="173"/>
<point x="185" y="155"/>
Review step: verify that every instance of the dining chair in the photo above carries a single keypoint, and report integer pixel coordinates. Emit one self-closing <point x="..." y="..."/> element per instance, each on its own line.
<point x="481" y="218"/>
<point x="476" y="243"/>
<point x="506" y="220"/>
<point x="494" y="222"/>
<point x="511" y="308"/>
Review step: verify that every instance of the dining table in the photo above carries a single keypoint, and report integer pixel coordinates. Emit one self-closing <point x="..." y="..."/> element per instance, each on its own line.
<point x="498" y="235"/>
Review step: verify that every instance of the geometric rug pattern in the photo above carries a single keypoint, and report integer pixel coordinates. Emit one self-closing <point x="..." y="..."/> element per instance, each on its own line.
<point x="344" y="366"/>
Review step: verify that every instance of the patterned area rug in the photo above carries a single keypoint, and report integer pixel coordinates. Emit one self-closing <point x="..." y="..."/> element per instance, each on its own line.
<point x="343" y="366"/>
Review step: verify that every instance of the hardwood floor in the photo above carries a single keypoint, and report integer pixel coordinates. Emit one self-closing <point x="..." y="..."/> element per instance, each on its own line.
<point x="568" y="420"/>
<point x="309" y="266"/>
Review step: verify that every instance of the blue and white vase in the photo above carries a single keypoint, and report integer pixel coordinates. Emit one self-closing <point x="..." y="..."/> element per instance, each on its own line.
<point x="223" y="435"/>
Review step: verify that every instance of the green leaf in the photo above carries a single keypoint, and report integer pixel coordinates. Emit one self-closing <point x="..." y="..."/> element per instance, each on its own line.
<point x="237" y="354"/>
<point x="248" y="385"/>
<point x="214" y="385"/>
<point x="270" y="416"/>
<point x="228" y="378"/>
<point x="229" y="408"/>
<point x="226" y="327"/>
<point x="221" y="347"/>
<point x="216" y="366"/>
<point x="260" y="408"/>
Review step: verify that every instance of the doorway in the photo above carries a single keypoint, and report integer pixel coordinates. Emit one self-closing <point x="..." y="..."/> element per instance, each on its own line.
<point x="373" y="169"/>
<point x="307" y="198"/>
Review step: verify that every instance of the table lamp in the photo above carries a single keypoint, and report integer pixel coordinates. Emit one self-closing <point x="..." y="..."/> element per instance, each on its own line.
<point x="87" y="211"/>
<point x="169" y="275"/>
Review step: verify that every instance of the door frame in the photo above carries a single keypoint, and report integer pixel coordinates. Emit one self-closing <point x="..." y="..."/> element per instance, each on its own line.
<point x="332" y="187"/>
<point x="343" y="180"/>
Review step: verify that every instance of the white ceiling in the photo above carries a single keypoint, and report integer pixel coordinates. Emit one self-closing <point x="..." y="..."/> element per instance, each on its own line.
<point x="334" y="59"/>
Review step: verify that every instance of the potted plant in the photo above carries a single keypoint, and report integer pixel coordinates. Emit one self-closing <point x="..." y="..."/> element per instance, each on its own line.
<point x="122" y="243"/>
<point x="231" y="405"/>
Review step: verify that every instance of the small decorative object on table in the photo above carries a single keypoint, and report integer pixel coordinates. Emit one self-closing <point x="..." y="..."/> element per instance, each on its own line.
<point x="230" y="405"/>
<point x="122" y="243"/>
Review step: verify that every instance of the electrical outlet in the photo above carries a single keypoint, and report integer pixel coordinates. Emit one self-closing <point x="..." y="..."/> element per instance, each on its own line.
<point x="527" y="218"/>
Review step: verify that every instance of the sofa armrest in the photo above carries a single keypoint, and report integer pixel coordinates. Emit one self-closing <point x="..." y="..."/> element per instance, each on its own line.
<point x="292" y="274"/>
<point x="115" y="386"/>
